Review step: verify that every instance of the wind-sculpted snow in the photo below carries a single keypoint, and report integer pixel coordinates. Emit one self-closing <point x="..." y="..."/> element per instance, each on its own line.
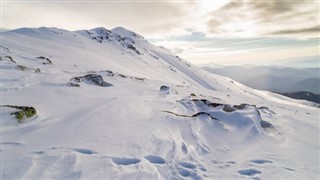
<point x="105" y="111"/>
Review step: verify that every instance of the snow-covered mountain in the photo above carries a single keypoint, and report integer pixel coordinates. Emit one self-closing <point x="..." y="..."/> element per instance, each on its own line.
<point x="107" y="104"/>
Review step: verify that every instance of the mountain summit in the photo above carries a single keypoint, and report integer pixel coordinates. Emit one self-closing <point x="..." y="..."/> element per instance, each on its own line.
<point x="99" y="103"/>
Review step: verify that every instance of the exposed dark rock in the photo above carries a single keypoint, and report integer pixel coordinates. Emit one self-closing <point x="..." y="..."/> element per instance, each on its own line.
<point x="180" y="115"/>
<point x="122" y="76"/>
<point x="164" y="88"/>
<point x="10" y="59"/>
<point x="172" y="69"/>
<point x="130" y="46"/>
<point x="37" y="70"/>
<point x="112" y="74"/>
<point x="207" y="102"/>
<point x="103" y="34"/>
<point x="97" y="38"/>
<point x="76" y="79"/>
<point x="228" y="108"/>
<point x="194" y="115"/>
<point x="24" y="112"/>
<point x="47" y="60"/>
<point x="91" y="78"/>
<point x="139" y="79"/>
<point x="215" y="104"/>
<point x="128" y="40"/>
<point x="241" y="106"/>
<point x="204" y="113"/>
<point x="201" y="100"/>
<point x="109" y="73"/>
<point x="179" y="58"/>
<point x="22" y="68"/>
<point x="72" y="84"/>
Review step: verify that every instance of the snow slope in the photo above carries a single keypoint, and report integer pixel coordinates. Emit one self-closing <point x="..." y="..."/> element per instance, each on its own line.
<point x="110" y="105"/>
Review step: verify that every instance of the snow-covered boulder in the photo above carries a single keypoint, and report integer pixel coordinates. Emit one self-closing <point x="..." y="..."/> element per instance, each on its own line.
<point x="95" y="79"/>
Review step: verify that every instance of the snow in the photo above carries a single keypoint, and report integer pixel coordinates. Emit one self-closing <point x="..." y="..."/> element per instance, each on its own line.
<point x="131" y="129"/>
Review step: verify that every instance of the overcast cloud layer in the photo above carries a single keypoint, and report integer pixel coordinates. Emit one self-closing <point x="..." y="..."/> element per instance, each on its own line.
<point x="200" y="31"/>
<point x="148" y="18"/>
<point x="262" y="17"/>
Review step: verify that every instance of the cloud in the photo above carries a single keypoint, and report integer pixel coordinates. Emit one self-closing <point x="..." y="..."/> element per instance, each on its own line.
<point x="315" y="29"/>
<point x="145" y="17"/>
<point x="263" y="18"/>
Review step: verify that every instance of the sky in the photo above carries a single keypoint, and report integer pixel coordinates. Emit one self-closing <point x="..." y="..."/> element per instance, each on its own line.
<point x="225" y="32"/>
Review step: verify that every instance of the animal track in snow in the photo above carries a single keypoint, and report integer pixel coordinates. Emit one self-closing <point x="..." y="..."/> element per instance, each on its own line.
<point x="125" y="161"/>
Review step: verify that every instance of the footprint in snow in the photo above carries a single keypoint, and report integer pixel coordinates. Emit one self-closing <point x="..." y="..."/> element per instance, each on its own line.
<point x="84" y="151"/>
<point x="187" y="165"/>
<point x="223" y="164"/>
<point x="261" y="161"/>
<point x="249" y="172"/>
<point x="155" y="159"/>
<point x="188" y="171"/>
<point x="184" y="173"/>
<point x="125" y="161"/>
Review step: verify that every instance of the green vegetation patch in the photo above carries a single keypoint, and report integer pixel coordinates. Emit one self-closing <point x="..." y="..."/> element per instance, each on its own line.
<point x="24" y="112"/>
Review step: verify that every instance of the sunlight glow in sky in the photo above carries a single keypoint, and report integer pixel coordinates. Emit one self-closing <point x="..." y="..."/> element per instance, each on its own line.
<point x="202" y="32"/>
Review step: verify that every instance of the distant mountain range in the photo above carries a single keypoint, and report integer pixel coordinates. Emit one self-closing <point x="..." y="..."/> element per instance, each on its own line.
<point x="299" y="62"/>
<point x="284" y="80"/>
<point x="303" y="95"/>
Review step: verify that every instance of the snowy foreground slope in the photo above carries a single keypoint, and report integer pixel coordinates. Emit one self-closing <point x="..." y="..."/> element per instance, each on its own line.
<point x="110" y="105"/>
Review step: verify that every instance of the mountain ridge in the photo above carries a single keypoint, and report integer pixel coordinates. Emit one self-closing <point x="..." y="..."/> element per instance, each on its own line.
<point x="101" y="103"/>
